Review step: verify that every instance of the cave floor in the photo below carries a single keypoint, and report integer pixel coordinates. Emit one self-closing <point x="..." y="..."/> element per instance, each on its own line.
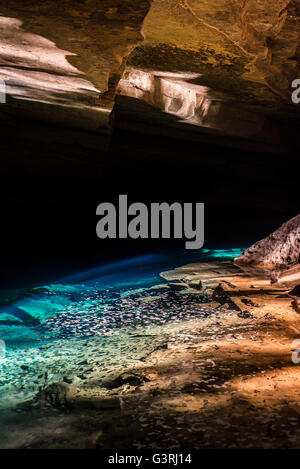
<point x="224" y="381"/>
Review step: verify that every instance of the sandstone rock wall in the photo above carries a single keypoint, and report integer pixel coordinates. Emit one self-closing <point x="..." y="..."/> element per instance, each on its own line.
<point x="63" y="60"/>
<point x="244" y="48"/>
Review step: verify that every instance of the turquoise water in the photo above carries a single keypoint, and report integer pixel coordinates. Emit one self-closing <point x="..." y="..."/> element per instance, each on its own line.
<point x="116" y="311"/>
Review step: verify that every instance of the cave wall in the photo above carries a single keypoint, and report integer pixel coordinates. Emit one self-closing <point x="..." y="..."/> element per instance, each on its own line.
<point x="68" y="56"/>
<point x="241" y="47"/>
<point x="62" y="61"/>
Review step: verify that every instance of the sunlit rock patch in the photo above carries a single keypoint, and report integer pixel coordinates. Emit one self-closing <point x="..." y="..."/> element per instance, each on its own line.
<point x="62" y="62"/>
<point x="178" y="94"/>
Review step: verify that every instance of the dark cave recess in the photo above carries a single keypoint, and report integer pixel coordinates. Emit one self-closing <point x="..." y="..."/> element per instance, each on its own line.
<point x="54" y="178"/>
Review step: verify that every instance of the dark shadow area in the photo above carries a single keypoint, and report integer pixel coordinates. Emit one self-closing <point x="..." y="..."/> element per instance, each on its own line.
<point x="53" y="178"/>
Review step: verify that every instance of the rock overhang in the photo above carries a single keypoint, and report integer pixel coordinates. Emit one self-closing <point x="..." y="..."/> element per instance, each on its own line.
<point x="227" y="66"/>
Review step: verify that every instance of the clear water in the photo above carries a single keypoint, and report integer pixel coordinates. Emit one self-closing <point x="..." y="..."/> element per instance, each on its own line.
<point x="106" y="318"/>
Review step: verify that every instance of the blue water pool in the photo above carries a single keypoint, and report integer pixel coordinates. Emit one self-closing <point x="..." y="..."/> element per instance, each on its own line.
<point x="104" y="317"/>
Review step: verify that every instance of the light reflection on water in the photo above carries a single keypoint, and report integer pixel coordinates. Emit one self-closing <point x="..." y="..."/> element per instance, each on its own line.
<point x="106" y="307"/>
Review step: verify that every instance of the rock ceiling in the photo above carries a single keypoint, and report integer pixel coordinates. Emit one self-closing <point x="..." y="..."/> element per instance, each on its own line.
<point x="225" y="65"/>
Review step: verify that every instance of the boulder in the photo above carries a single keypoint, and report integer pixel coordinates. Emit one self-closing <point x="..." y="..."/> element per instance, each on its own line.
<point x="280" y="249"/>
<point x="65" y="395"/>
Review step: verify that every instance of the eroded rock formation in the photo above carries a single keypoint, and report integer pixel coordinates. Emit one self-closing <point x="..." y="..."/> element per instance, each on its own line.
<point x="278" y="250"/>
<point x="236" y="46"/>
<point x="226" y="65"/>
<point x="175" y="94"/>
<point x="66" y="58"/>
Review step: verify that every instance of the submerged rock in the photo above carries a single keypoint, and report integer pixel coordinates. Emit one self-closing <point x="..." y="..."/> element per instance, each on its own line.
<point x="125" y="379"/>
<point x="56" y="394"/>
<point x="196" y="284"/>
<point x="65" y="395"/>
<point x="211" y="305"/>
<point x="177" y="286"/>
<point x="279" y="249"/>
